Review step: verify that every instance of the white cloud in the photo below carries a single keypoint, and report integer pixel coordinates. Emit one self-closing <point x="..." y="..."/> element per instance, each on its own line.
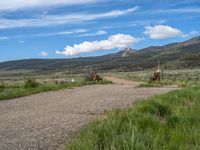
<point x="194" y="32"/>
<point x="12" y="5"/>
<point x="61" y="19"/>
<point x="162" y="32"/>
<point x="191" y="34"/>
<point x="72" y="32"/>
<point x="100" y="32"/>
<point x="43" y="54"/>
<point x="4" y="38"/>
<point x="114" y="41"/>
<point x="178" y="10"/>
<point x="69" y="32"/>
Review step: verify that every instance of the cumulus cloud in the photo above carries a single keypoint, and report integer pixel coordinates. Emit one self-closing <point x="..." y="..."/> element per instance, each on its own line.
<point x="114" y="41"/>
<point x="162" y="32"/>
<point x="61" y="19"/>
<point x="11" y="5"/>
<point x="43" y="54"/>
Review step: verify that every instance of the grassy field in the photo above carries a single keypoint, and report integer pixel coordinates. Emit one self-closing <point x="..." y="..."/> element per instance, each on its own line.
<point x="12" y="83"/>
<point x="9" y="91"/>
<point x="170" y="75"/>
<point x="47" y="76"/>
<point x="169" y="121"/>
<point x="179" y="77"/>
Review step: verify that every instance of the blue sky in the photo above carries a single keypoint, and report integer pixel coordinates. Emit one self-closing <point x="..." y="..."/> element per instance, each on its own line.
<point x="44" y="29"/>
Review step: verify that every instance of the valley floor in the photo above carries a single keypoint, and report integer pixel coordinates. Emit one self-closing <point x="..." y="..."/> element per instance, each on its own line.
<point x="49" y="120"/>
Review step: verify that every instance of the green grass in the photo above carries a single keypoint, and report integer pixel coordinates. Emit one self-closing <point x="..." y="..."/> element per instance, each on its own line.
<point x="14" y="91"/>
<point x="165" y="83"/>
<point x="169" y="121"/>
<point x="182" y="78"/>
<point x="185" y="75"/>
<point x="157" y="84"/>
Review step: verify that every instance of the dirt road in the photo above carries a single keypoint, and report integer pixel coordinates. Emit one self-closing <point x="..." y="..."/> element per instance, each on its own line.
<point x="49" y="120"/>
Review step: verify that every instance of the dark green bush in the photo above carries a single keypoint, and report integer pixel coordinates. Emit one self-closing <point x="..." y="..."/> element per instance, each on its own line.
<point x="31" y="83"/>
<point x="172" y="121"/>
<point x="2" y="85"/>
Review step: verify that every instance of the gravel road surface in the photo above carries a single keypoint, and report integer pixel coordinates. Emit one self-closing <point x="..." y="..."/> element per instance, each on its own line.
<point x="49" y="120"/>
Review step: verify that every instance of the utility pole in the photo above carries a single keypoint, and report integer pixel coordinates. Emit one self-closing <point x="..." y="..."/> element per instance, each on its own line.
<point x="158" y="71"/>
<point x="91" y="69"/>
<point x="159" y="65"/>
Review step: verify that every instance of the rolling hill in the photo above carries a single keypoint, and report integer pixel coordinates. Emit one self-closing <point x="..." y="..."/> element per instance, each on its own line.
<point x="175" y="55"/>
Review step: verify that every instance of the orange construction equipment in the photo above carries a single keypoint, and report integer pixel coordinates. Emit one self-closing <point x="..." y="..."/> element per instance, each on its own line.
<point x="93" y="76"/>
<point x="157" y="74"/>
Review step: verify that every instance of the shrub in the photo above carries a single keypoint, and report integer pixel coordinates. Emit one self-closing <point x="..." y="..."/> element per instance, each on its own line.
<point x="31" y="83"/>
<point x="2" y="85"/>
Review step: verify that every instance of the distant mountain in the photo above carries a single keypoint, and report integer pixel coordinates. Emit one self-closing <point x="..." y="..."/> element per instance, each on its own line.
<point x="174" y="55"/>
<point x="181" y="55"/>
<point x="127" y="52"/>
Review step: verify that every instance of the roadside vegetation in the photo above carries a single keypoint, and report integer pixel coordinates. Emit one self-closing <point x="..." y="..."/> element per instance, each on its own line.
<point x="165" y="83"/>
<point x="171" y="75"/>
<point x="169" y="121"/>
<point x="32" y="86"/>
<point x="156" y="84"/>
<point x="182" y="78"/>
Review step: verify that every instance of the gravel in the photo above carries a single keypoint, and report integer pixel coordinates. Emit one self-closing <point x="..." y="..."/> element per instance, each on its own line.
<point x="49" y="120"/>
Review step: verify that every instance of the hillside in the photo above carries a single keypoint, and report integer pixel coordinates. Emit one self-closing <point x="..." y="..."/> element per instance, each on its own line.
<point x="175" y="55"/>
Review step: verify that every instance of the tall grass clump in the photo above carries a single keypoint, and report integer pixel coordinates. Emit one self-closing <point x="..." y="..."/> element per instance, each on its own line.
<point x="31" y="83"/>
<point x="2" y="85"/>
<point x="169" y="121"/>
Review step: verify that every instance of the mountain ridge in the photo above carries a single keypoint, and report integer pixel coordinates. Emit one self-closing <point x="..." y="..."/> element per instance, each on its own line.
<point x="172" y="55"/>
